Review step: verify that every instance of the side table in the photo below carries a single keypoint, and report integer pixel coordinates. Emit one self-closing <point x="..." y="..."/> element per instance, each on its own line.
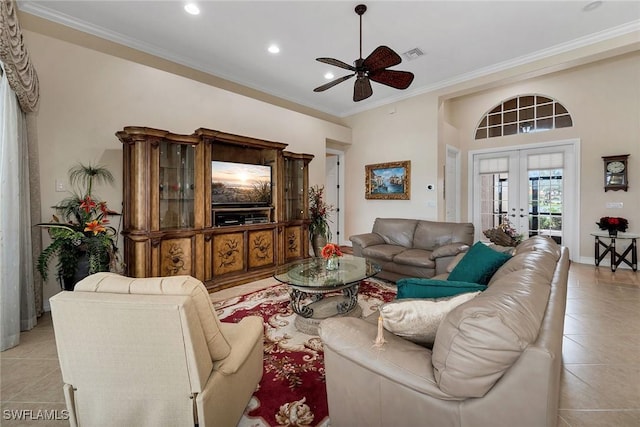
<point x="616" y="258"/>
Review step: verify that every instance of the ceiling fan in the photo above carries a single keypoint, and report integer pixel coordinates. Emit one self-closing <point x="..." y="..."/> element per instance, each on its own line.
<point x="374" y="67"/>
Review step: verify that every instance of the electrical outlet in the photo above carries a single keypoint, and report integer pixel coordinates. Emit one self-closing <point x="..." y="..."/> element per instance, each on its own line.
<point x="614" y="205"/>
<point x="60" y="187"/>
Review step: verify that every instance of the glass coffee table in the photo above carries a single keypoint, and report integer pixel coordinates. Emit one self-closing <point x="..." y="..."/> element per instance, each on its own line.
<point x="310" y="284"/>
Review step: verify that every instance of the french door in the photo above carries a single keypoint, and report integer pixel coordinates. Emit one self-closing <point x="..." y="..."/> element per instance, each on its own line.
<point x="533" y="190"/>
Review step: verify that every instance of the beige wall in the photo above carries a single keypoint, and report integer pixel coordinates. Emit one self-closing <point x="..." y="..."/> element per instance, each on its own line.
<point x="86" y="96"/>
<point x="604" y="100"/>
<point x="407" y="130"/>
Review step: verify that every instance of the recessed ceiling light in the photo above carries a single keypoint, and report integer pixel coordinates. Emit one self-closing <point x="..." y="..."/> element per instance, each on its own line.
<point x="273" y="48"/>
<point x="329" y="76"/>
<point x="192" y="8"/>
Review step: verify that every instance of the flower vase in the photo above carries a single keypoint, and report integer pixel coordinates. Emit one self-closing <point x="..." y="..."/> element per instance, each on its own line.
<point x="613" y="232"/>
<point x="332" y="263"/>
<point x="318" y="241"/>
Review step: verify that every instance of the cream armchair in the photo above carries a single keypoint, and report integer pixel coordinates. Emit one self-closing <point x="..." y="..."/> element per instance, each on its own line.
<point x="152" y="352"/>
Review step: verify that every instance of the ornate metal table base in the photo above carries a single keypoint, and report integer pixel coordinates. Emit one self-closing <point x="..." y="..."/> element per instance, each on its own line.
<point x="313" y="307"/>
<point x="344" y="305"/>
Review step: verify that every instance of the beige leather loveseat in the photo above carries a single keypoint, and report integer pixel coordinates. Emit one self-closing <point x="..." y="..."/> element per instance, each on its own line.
<point x="412" y="247"/>
<point x="496" y="360"/>
<point x="152" y="352"/>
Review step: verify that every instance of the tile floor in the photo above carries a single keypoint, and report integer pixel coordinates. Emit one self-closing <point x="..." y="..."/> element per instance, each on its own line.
<point x="600" y="382"/>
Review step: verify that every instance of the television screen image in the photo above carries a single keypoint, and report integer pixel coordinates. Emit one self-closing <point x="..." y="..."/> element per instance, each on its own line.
<point x="240" y="184"/>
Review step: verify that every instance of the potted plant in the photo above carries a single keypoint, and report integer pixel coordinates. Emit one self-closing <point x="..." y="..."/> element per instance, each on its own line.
<point x="613" y="224"/>
<point x="319" y="231"/>
<point x="82" y="240"/>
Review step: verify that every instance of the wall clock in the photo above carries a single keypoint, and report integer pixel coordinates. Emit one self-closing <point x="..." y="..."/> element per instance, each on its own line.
<point x="615" y="173"/>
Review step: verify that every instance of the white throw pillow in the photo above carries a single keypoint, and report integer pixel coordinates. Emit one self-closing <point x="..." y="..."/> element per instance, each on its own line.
<point x="417" y="320"/>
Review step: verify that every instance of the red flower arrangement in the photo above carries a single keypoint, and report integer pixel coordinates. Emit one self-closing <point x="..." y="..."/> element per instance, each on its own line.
<point x="613" y="223"/>
<point x="331" y="250"/>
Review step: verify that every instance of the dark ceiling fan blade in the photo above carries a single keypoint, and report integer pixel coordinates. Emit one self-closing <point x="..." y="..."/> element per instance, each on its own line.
<point x="333" y="83"/>
<point x="336" y="63"/>
<point x="395" y="79"/>
<point x="382" y="57"/>
<point x="362" y="89"/>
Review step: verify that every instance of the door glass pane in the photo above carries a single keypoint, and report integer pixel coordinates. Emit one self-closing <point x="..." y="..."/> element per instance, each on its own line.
<point x="294" y="189"/>
<point x="530" y="189"/>
<point x="176" y="185"/>
<point x="545" y="203"/>
<point x="494" y="199"/>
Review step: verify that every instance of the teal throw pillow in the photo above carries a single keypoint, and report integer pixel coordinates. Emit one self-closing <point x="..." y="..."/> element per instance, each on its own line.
<point x="430" y="288"/>
<point x="478" y="265"/>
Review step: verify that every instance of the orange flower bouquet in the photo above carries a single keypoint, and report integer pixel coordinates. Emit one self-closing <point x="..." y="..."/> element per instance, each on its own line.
<point x="331" y="252"/>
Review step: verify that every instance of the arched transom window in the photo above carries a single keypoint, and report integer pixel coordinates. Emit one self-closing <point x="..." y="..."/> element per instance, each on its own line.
<point x="523" y="114"/>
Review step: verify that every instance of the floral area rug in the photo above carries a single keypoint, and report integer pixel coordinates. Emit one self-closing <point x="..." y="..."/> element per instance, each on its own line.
<point x="292" y="391"/>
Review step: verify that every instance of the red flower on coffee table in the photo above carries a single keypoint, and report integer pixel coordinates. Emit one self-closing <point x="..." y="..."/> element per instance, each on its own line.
<point x="331" y="250"/>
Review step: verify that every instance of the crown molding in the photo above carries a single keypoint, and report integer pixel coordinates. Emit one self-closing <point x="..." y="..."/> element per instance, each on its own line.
<point x="443" y="85"/>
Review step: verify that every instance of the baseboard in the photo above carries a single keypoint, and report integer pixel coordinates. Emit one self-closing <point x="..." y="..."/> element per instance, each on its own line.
<point x="604" y="263"/>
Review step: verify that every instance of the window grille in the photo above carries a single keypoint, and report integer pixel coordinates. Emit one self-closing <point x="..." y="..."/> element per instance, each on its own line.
<point x="523" y="114"/>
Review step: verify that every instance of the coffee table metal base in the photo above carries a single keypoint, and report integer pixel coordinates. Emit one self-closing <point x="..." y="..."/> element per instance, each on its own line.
<point x="310" y="314"/>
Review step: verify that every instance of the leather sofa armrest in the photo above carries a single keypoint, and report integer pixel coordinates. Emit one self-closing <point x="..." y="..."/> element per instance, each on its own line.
<point x="450" y="250"/>
<point x="399" y="360"/>
<point x="361" y="241"/>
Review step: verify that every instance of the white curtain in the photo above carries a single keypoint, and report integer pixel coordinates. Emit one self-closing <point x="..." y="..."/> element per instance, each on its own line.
<point x="16" y="277"/>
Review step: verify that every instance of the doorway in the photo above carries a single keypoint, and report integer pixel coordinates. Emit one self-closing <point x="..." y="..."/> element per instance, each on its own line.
<point x="334" y="196"/>
<point x="534" y="189"/>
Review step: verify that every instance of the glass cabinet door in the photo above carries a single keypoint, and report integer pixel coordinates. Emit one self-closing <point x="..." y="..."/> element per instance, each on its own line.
<point x="176" y="177"/>
<point x="294" y="189"/>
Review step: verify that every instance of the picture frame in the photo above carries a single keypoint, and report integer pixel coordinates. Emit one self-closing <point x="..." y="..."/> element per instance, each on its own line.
<point x="388" y="181"/>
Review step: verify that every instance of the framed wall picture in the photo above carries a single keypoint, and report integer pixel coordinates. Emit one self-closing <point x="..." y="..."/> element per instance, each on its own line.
<point x="388" y="181"/>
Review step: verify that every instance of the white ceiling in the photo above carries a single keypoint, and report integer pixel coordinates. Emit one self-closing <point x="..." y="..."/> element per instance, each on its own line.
<point x="229" y="39"/>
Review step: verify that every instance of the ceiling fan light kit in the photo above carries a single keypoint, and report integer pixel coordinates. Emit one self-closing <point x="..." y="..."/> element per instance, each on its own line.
<point x="374" y="67"/>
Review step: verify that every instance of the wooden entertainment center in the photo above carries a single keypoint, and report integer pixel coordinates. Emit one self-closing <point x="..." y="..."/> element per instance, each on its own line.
<point x="173" y="227"/>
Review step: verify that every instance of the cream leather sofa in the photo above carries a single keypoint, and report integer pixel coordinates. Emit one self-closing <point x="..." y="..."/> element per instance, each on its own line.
<point x="412" y="247"/>
<point x="496" y="360"/>
<point x="151" y="352"/>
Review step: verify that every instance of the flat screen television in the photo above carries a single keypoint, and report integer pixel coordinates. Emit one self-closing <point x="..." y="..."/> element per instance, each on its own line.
<point x="240" y="184"/>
